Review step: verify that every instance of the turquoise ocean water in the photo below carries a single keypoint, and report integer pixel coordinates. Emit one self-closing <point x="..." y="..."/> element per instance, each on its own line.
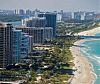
<point x="91" y="49"/>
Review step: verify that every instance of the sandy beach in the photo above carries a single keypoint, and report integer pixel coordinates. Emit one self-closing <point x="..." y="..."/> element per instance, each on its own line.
<point x="84" y="73"/>
<point x="90" y="32"/>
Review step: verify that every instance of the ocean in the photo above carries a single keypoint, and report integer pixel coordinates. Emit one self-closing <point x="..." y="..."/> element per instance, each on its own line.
<point x="91" y="50"/>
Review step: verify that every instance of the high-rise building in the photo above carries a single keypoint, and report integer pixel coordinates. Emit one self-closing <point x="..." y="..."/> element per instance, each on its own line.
<point x="6" y="12"/>
<point x="59" y="17"/>
<point x="28" y="12"/>
<point x="77" y="16"/>
<point x="5" y="44"/>
<point x="16" y="45"/>
<point x="66" y="16"/>
<point x="21" y="12"/>
<point x="51" y="20"/>
<point x="89" y="16"/>
<point x="40" y="34"/>
<point x="34" y="22"/>
<point x="16" y="12"/>
<point x="22" y="45"/>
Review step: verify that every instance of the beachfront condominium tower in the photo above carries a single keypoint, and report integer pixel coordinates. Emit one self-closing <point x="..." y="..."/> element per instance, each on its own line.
<point x="22" y="45"/>
<point x="5" y="44"/>
<point x="34" y="22"/>
<point x="39" y="35"/>
<point x="50" y="20"/>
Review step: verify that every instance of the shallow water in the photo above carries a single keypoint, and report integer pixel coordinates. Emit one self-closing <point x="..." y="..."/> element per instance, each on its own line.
<point x="91" y="50"/>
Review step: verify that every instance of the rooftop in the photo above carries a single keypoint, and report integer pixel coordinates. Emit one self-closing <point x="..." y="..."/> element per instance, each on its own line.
<point x="22" y="27"/>
<point x="3" y="24"/>
<point x="32" y="18"/>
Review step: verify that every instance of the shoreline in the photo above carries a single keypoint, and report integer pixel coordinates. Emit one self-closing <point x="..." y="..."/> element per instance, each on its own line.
<point x="85" y="72"/>
<point x="90" y="32"/>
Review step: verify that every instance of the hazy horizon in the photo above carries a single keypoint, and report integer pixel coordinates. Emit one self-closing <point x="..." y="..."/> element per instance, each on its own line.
<point x="51" y="5"/>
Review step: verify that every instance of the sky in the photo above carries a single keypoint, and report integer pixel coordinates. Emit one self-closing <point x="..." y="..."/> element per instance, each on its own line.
<point x="49" y="5"/>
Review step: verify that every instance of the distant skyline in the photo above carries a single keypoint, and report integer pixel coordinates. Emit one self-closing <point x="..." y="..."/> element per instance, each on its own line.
<point x="52" y="5"/>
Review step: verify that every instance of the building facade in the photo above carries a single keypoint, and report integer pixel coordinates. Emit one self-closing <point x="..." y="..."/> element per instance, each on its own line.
<point x="5" y="45"/>
<point x="34" y="22"/>
<point x="25" y="45"/>
<point x="22" y="45"/>
<point x="51" y="20"/>
<point x="16" y="46"/>
<point x="66" y="16"/>
<point x="39" y="35"/>
<point x="89" y="16"/>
